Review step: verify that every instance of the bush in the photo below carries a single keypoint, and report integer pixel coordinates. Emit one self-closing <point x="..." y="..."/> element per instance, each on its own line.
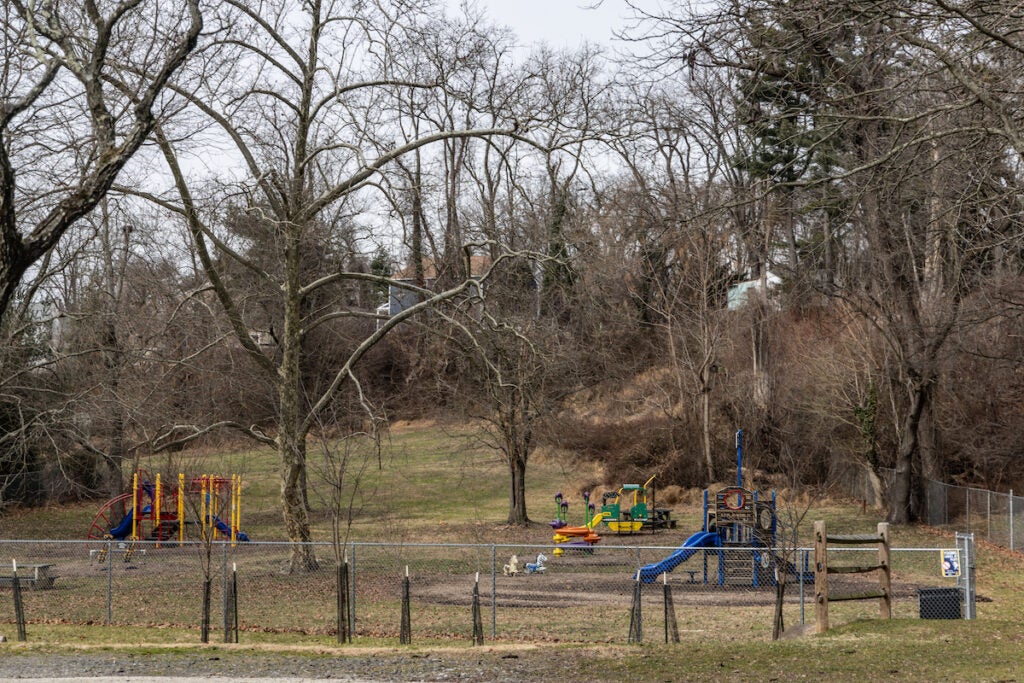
<point x="635" y="449"/>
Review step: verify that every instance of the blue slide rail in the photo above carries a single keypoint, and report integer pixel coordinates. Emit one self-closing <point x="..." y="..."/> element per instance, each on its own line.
<point x="691" y="546"/>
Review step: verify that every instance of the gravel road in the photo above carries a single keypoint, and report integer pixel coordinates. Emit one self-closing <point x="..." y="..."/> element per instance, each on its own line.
<point x="482" y="664"/>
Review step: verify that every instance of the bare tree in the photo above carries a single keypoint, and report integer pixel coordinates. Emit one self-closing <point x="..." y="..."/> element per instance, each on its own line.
<point x="513" y="375"/>
<point x="879" y="128"/>
<point x="682" y="231"/>
<point x="80" y="91"/>
<point x="306" y="133"/>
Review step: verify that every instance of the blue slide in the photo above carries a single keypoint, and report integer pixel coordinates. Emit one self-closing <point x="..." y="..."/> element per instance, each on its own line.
<point x="701" y="539"/>
<point x="124" y="528"/>
<point x="226" y="530"/>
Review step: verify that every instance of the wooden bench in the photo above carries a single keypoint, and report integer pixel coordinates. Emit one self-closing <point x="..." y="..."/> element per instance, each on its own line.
<point x="36" y="576"/>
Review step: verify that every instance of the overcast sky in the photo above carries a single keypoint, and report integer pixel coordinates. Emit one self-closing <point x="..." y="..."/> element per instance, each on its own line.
<point x="560" y="23"/>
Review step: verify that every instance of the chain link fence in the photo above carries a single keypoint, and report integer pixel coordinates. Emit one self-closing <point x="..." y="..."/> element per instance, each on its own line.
<point x="995" y="517"/>
<point x="584" y="595"/>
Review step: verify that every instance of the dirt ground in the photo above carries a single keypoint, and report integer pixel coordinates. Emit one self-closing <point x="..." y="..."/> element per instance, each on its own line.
<point x="354" y="665"/>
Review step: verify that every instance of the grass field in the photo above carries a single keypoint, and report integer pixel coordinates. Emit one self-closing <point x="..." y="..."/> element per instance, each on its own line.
<point x="439" y="485"/>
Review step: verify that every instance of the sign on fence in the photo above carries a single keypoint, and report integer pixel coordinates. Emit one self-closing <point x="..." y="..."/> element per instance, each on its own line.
<point x="950" y="563"/>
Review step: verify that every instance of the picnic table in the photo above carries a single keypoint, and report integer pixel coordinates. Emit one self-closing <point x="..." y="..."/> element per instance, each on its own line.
<point x="37" y="576"/>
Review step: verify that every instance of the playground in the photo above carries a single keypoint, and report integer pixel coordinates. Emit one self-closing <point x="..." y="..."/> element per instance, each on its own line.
<point x="580" y="598"/>
<point x="737" y="543"/>
<point x="191" y="509"/>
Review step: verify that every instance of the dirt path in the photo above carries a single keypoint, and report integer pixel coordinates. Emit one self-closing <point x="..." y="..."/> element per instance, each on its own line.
<point x="356" y="665"/>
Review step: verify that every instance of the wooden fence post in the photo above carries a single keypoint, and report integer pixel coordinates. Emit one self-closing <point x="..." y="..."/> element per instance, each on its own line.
<point x="820" y="577"/>
<point x="885" y="577"/>
<point x="822" y="570"/>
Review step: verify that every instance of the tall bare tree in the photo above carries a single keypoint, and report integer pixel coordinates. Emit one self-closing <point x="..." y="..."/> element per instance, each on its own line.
<point x="313" y="132"/>
<point x="867" y="100"/>
<point x="80" y="90"/>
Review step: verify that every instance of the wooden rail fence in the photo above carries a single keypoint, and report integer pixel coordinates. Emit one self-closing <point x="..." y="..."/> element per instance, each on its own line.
<point x="822" y="570"/>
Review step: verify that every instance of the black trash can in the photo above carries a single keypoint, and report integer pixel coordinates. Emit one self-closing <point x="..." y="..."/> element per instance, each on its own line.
<point x="939" y="603"/>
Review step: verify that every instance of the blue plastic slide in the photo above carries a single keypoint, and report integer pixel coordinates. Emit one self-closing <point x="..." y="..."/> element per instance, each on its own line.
<point x="124" y="528"/>
<point x="701" y="539"/>
<point x="226" y="530"/>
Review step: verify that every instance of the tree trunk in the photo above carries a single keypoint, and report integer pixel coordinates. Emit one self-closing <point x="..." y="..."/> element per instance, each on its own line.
<point x="517" y="493"/>
<point x="906" y="497"/>
<point x="874" y="487"/>
<point x="13" y="262"/>
<point x="117" y="452"/>
<point x="204" y="628"/>
<point x="705" y="425"/>
<point x="760" y="350"/>
<point x="778" y="622"/>
<point x="417" y="253"/>
<point x="296" y="519"/>
<point x="291" y="441"/>
<point x="931" y="467"/>
<point x="794" y="254"/>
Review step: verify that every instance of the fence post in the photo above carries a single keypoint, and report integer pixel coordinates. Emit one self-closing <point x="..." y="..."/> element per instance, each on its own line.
<point x="234" y="599"/>
<point x="885" y="562"/>
<point x="224" y="587"/>
<point x="1011" y="519"/>
<point x="802" y="572"/>
<point x="494" y="591"/>
<point x="352" y="593"/>
<point x="968" y="496"/>
<point x="110" y="581"/>
<point x="820" y="578"/>
<point x="966" y="581"/>
<point x="988" y="503"/>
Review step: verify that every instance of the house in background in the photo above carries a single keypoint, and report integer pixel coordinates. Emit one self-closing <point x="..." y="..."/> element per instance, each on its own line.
<point x="739" y="293"/>
<point x="400" y="298"/>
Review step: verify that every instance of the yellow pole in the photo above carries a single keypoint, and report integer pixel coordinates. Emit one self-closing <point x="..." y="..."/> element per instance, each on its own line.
<point x="135" y="506"/>
<point x="238" y="517"/>
<point x="202" y="505"/>
<point x="211" y="508"/>
<point x="156" y="512"/>
<point x="208" y="517"/>
<point x="215" y="504"/>
<point x="234" y="510"/>
<point x="181" y="508"/>
<point x="212" y="503"/>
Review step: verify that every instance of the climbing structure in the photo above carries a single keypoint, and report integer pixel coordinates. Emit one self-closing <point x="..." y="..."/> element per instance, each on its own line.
<point x="151" y="512"/>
